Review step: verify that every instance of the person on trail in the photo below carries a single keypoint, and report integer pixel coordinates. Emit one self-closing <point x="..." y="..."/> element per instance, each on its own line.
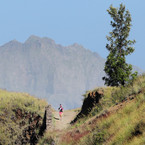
<point x="60" y="111"/>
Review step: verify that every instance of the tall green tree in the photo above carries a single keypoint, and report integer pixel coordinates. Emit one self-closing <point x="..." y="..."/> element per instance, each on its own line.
<point x="117" y="70"/>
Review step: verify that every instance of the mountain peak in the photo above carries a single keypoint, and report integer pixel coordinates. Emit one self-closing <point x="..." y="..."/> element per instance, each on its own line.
<point x="77" y="45"/>
<point x="12" y="43"/>
<point x="34" y="39"/>
<point x="48" y="40"/>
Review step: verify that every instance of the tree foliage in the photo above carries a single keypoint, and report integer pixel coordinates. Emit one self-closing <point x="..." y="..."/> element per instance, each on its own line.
<point x="117" y="70"/>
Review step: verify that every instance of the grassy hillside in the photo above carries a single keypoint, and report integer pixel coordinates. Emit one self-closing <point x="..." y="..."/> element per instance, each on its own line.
<point x="116" y="116"/>
<point x="20" y="117"/>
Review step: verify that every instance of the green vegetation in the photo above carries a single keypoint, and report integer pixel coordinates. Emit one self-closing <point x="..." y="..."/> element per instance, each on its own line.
<point x="12" y="100"/>
<point x="117" y="70"/>
<point x="47" y="139"/>
<point x="121" y="117"/>
<point x="17" y="111"/>
<point x="127" y="126"/>
<point x="115" y="95"/>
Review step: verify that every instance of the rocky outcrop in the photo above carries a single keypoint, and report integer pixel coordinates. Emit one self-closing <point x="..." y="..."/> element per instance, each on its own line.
<point x="89" y="102"/>
<point x="49" y="123"/>
<point x="35" y="127"/>
<point x="47" y="120"/>
<point x="30" y="124"/>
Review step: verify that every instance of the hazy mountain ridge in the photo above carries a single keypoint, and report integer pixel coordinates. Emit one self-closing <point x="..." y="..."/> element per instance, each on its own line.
<point x="45" y="69"/>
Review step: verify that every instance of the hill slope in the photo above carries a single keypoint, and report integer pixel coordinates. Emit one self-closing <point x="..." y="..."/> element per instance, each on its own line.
<point x="48" y="70"/>
<point x="109" y="116"/>
<point x="20" y="118"/>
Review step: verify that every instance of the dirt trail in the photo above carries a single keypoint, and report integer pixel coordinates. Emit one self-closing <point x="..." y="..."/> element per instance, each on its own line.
<point x="68" y="116"/>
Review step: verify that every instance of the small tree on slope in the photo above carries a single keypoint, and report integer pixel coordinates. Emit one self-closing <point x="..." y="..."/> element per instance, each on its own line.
<point x="117" y="70"/>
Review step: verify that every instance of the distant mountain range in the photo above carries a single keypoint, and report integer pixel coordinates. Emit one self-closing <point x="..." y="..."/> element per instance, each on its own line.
<point x="48" y="70"/>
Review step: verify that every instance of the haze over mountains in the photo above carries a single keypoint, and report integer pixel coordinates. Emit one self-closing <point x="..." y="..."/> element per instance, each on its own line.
<point x="45" y="69"/>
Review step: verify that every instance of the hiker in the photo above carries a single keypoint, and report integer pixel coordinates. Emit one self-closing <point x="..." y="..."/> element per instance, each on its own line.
<point x="60" y="111"/>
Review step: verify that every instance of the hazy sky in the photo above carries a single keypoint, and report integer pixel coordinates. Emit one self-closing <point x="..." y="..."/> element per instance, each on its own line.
<point x="71" y="21"/>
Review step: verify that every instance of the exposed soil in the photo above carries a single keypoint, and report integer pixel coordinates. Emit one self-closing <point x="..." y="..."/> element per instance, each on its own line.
<point x="30" y="122"/>
<point x="90" y="101"/>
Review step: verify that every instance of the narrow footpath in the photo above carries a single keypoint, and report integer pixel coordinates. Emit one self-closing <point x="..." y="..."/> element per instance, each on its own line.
<point x="68" y="116"/>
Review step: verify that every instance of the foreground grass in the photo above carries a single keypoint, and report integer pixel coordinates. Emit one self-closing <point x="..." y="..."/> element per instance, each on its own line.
<point x="126" y="126"/>
<point x="10" y="127"/>
<point x="124" y="122"/>
<point x="12" y="100"/>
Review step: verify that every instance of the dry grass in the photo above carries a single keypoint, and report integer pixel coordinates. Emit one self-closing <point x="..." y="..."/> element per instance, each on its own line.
<point x="10" y="101"/>
<point x="123" y="123"/>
